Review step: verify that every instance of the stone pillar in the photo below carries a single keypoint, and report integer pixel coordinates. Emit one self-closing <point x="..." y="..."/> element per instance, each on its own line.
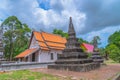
<point x="1" y="46"/>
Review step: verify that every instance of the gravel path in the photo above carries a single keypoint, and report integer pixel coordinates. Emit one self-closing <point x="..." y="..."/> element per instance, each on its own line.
<point x="103" y="73"/>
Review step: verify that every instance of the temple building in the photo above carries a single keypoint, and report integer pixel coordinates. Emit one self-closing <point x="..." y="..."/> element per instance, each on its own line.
<point x="43" y="47"/>
<point x="87" y="47"/>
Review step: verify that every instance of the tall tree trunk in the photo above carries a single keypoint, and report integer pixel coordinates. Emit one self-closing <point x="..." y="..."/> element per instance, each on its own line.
<point x="10" y="56"/>
<point x="11" y="51"/>
<point x="11" y="44"/>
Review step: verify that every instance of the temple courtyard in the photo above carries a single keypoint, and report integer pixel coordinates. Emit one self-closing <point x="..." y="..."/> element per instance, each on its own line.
<point x="106" y="72"/>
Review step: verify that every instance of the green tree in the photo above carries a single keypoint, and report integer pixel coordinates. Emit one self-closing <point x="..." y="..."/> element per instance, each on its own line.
<point x="82" y="41"/>
<point x="114" y="38"/>
<point x="60" y="32"/>
<point x="102" y="51"/>
<point x="64" y="34"/>
<point x="15" y="37"/>
<point x="113" y="47"/>
<point x="114" y="52"/>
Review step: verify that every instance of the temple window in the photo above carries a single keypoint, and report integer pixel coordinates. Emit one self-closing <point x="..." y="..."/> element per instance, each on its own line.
<point x="52" y="56"/>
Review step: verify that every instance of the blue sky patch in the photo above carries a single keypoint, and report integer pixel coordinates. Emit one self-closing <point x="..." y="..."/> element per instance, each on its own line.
<point x="44" y="4"/>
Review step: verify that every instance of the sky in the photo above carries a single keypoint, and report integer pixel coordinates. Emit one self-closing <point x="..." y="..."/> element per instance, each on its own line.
<point x="90" y="17"/>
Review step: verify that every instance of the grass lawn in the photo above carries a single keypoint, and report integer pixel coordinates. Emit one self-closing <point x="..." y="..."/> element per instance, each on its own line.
<point x="26" y="75"/>
<point x="110" y="61"/>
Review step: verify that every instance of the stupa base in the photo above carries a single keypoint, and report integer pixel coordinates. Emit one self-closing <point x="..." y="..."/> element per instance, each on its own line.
<point x="75" y="67"/>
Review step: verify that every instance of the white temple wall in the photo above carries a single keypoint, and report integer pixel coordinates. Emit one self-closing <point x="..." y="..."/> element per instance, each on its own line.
<point x="34" y="43"/>
<point x="45" y="56"/>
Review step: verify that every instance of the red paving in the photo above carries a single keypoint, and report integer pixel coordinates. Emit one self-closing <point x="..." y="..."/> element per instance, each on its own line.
<point x="103" y="73"/>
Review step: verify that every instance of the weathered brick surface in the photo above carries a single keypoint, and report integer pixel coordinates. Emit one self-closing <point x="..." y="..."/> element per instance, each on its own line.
<point x="75" y="67"/>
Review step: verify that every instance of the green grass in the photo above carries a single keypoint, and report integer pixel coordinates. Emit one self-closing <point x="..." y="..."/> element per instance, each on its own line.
<point x="110" y="61"/>
<point x="26" y="75"/>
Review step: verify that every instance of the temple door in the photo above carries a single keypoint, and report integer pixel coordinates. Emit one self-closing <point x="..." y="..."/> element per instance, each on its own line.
<point x="33" y="57"/>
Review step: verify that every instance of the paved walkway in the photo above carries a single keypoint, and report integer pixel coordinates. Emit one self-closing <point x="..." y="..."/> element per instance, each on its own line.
<point x="103" y="73"/>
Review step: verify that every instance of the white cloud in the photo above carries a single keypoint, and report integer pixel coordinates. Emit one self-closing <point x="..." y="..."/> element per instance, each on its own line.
<point x="30" y="12"/>
<point x="53" y="19"/>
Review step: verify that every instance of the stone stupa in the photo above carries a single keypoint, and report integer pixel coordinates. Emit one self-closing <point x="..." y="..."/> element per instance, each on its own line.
<point x="97" y="58"/>
<point x="1" y="47"/>
<point x="73" y="57"/>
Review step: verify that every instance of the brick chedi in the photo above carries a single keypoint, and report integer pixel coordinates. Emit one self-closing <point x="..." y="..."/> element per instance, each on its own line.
<point x="73" y="57"/>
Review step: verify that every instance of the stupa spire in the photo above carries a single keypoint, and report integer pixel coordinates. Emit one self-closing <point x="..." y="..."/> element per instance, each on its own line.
<point x="71" y="29"/>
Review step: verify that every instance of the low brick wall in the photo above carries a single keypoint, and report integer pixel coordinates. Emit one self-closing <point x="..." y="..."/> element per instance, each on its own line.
<point x="25" y="65"/>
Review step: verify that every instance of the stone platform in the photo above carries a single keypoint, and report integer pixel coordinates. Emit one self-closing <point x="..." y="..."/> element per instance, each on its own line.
<point x="97" y="58"/>
<point x="75" y="67"/>
<point x="74" y="62"/>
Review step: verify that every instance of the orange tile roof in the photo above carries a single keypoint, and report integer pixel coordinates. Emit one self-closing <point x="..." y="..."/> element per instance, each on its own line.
<point x="53" y="38"/>
<point x="49" y="41"/>
<point x="42" y="44"/>
<point x="55" y="44"/>
<point x="57" y="48"/>
<point x="38" y="36"/>
<point x="26" y="52"/>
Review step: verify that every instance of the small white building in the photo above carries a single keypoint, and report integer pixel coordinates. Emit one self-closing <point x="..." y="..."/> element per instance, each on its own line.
<point x="43" y="47"/>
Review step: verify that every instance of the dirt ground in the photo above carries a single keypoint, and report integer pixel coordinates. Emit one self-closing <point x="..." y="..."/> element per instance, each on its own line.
<point x="106" y="72"/>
